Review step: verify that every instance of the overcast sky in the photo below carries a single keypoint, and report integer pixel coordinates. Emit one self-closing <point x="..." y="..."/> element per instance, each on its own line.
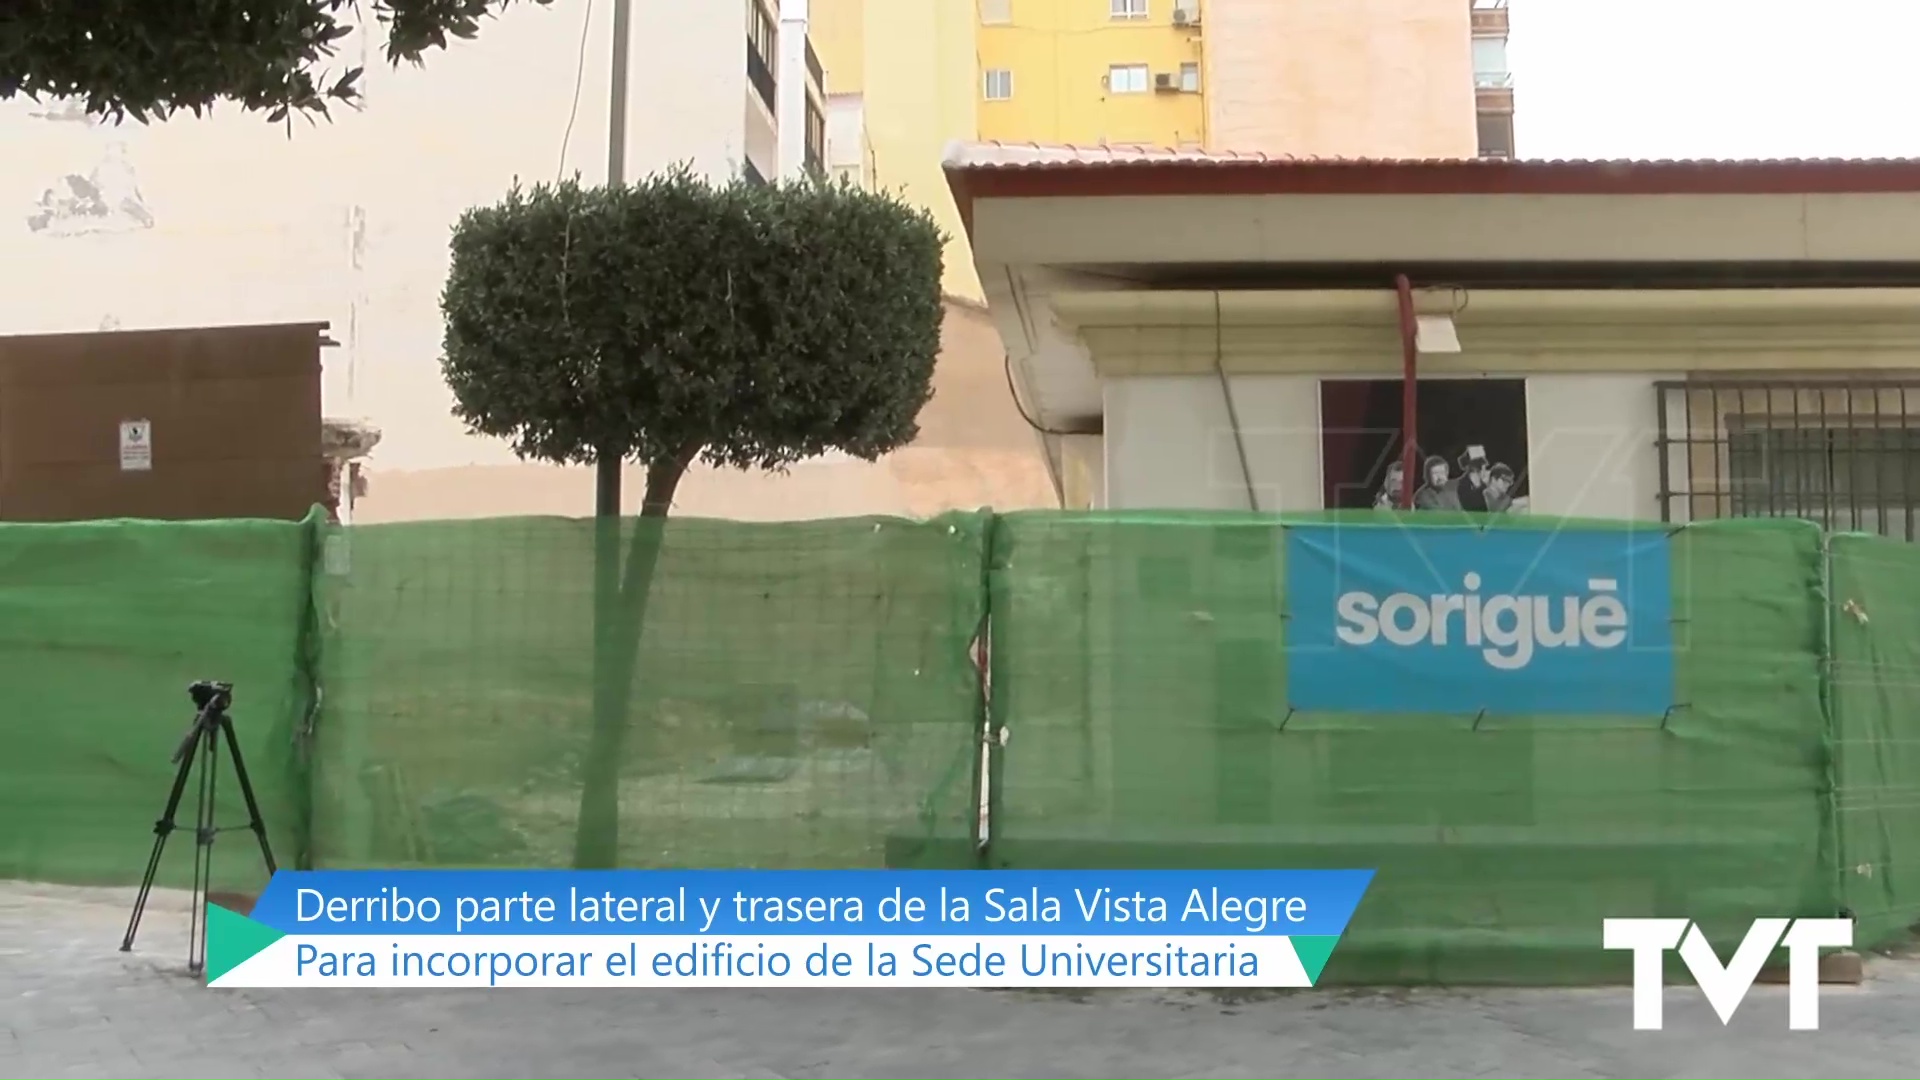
<point x="1716" y="78"/>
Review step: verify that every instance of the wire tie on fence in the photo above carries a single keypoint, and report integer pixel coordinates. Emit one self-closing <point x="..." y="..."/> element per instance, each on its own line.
<point x="1481" y="716"/>
<point x="1283" y="720"/>
<point x="1668" y="715"/>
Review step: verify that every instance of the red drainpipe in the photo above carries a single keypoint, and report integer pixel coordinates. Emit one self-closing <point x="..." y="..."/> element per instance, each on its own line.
<point x="1409" y="399"/>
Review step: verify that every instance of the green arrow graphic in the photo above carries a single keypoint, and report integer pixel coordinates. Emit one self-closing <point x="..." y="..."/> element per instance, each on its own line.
<point x="1313" y="951"/>
<point x="232" y="939"/>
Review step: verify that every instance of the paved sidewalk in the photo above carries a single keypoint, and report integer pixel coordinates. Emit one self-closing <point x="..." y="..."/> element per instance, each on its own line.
<point x="72" y="1005"/>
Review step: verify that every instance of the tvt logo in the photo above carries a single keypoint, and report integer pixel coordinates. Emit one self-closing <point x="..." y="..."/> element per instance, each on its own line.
<point x="1726" y="985"/>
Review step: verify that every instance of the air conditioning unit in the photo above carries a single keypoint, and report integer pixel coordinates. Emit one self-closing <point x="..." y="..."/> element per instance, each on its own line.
<point x="1166" y="82"/>
<point x="1186" y="16"/>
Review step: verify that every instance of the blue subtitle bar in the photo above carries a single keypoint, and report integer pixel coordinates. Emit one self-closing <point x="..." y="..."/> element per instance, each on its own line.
<point x="850" y="902"/>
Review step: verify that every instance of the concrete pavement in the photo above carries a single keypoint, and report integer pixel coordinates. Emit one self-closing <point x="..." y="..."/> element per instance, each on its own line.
<point x="72" y="1005"/>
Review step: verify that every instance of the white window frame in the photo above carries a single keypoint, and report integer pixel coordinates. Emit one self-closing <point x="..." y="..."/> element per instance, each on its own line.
<point x="1190" y="77"/>
<point x="1128" y="9"/>
<point x="1120" y="79"/>
<point x="986" y="84"/>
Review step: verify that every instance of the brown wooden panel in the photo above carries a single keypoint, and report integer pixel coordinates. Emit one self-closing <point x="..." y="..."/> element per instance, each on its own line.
<point x="235" y="415"/>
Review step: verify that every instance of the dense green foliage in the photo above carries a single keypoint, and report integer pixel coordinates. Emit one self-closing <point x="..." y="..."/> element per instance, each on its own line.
<point x="752" y="325"/>
<point x="150" y="58"/>
<point x="672" y="320"/>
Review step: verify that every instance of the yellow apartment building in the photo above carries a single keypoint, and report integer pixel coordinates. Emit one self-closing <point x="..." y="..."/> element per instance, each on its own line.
<point x="1348" y="78"/>
<point x="1092" y="72"/>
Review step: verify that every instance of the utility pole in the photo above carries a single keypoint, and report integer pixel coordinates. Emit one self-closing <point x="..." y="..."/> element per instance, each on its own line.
<point x="593" y="851"/>
<point x="607" y="465"/>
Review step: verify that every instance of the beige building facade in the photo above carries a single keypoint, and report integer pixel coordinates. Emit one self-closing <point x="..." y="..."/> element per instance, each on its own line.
<point x="1648" y="340"/>
<point x="1341" y="78"/>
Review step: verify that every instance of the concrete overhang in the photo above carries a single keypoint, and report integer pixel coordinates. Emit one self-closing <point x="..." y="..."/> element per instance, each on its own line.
<point x="1046" y="222"/>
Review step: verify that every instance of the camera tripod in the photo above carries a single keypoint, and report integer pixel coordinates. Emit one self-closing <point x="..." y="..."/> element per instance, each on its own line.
<point x="201" y="741"/>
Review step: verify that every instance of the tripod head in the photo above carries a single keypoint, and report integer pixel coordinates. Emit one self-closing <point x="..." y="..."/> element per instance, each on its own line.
<point x="212" y="700"/>
<point x="210" y="696"/>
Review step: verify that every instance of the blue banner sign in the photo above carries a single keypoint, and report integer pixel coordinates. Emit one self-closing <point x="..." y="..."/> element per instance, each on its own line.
<point x="1436" y="619"/>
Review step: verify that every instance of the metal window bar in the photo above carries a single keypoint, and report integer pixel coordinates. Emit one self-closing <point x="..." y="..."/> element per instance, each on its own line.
<point x="1841" y="453"/>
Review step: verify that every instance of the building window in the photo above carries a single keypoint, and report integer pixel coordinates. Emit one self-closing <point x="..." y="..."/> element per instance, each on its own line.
<point x="996" y="12"/>
<point x="1850" y="478"/>
<point x="1128" y="9"/>
<point x="999" y="84"/>
<point x="1490" y="63"/>
<point x="1190" y="77"/>
<point x="1842" y="453"/>
<point x="1128" y="79"/>
<point x="816" y="138"/>
<point x="1496" y="134"/>
<point x="763" y="43"/>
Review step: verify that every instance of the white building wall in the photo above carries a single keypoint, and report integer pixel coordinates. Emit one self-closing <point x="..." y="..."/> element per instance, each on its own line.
<point x="1170" y="444"/>
<point x="791" y="70"/>
<point x="849" y="153"/>
<point x="237" y="220"/>
<point x="686" y="88"/>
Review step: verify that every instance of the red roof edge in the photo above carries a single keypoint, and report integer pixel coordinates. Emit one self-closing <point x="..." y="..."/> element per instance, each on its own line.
<point x="1147" y="176"/>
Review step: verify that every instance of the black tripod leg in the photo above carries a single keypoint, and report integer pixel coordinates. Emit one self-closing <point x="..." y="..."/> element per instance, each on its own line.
<point x="161" y="830"/>
<point x="254" y="820"/>
<point x="203" y="836"/>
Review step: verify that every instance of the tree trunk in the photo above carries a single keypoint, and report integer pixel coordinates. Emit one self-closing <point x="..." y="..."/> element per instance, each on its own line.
<point x="620" y="614"/>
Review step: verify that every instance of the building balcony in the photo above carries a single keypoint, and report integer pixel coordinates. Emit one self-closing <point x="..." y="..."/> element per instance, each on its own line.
<point x="1493" y="99"/>
<point x="815" y="72"/>
<point x="1493" y="80"/>
<point x="1490" y="18"/>
<point x="760" y="74"/>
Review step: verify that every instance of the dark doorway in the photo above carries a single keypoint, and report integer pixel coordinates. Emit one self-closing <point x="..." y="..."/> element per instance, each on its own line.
<point x="1472" y="444"/>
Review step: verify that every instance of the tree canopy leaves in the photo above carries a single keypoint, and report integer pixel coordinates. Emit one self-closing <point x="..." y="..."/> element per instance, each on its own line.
<point x="752" y="325"/>
<point x="151" y="58"/>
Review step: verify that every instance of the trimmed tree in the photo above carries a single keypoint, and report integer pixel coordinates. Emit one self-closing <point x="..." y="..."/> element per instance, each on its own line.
<point x="150" y="58"/>
<point x="747" y="325"/>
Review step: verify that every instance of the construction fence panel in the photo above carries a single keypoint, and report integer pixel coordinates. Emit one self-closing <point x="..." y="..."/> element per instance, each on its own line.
<point x="1875" y="605"/>
<point x="802" y="694"/>
<point x="103" y="626"/>
<point x="1140" y="672"/>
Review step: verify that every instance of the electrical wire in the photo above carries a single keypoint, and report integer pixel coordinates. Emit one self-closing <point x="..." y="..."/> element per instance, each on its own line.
<point x="1233" y="412"/>
<point x="1013" y="392"/>
<point x="579" y="78"/>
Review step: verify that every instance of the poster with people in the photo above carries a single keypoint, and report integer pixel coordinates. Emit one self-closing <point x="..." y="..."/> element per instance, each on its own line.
<point x="1470" y="448"/>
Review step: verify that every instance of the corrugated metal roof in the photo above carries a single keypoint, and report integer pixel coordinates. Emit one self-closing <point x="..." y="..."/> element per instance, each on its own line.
<point x="970" y="156"/>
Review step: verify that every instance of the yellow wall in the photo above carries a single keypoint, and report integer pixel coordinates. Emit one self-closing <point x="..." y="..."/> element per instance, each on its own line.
<point x="837" y="29"/>
<point x="1059" y="52"/>
<point x="912" y="62"/>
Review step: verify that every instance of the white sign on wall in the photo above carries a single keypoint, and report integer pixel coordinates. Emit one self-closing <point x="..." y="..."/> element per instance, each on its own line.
<point x="136" y="446"/>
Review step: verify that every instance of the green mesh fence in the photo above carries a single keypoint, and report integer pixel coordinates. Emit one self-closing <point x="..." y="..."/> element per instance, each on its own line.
<point x="1138" y="669"/>
<point x="102" y="628"/>
<point x="802" y="694"/>
<point x="1875" y="594"/>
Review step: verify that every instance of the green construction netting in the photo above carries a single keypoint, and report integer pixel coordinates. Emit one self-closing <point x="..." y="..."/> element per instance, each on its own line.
<point x="102" y="627"/>
<point x="1875" y="592"/>
<point x="802" y="696"/>
<point x="1138" y="670"/>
